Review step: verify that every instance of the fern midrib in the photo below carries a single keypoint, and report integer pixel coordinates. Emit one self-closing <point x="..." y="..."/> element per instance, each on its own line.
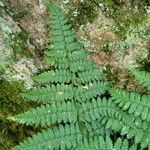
<point x="69" y="69"/>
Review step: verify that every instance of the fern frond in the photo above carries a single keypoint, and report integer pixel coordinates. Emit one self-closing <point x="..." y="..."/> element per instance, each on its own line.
<point x="50" y="94"/>
<point x="78" y="55"/>
<point x="95" y="128"/>
<point x="99" y="143"/>
<point x="142" y="76"/>
<point x="98" y="109"/>
<point x="63" y="138"/>
<point x="145" y="141"/>
<point x="48" y="115"/>
<point x="57" y="76"/>
<point x="63" y="37"/>
<point x="115" y="119"/>
<point x="90" y="76"/>
<point x="74" y="82"/>
<point x="133" y="102"/>
<point x="81" y="66"/>
<point x="84" y="93"/>
<point x="57" y="54"/>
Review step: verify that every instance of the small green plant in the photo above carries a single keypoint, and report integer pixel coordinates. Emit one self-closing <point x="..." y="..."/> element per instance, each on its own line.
<point x="73" y="105"/>
<point x="63" y="92"/>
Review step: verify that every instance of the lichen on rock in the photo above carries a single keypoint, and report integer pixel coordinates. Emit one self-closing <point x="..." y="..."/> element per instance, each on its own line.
<point x="8" y="29"/>
<point x="14" y="52"/>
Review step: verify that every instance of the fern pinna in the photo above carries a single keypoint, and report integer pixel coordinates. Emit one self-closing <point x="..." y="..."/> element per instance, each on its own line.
<point x="142" y="76"/>
<point x="73" y="106"/>
<point x="136" y="108"/>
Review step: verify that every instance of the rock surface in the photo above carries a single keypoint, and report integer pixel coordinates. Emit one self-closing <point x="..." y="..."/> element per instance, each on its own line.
<point x="23" y="67"/>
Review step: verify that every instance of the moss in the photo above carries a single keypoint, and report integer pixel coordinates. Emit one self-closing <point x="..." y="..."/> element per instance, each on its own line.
<point x="83" y="12"/>
<point x="145" y="63"/>
<point x="87" y="11"/>
<point x="16" y="10"/>
<point x="17" y="40"/>
<point x="18" y="44"/>
<point x="11" y="103"/>
<point x="19" y="12"/>
<point x="124" y="14"/>
<point x="124" y="22"/>
<point x="129" y="3"/>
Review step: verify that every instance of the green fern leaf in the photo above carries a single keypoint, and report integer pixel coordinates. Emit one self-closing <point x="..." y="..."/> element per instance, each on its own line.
<point x="115" y="119"/>
<point x="133" y="102"/>
<point x="58" y="138"/>
<point x="50" y="94"/>
<point x="84" y="93"/>
<point x="99" y="143"/>
<point x="57" y="76"/>
<point x="90" y="75"/>
<point x="142" y="76"/>
<point x="72" y="83"/>
<point x="48" y="115"/>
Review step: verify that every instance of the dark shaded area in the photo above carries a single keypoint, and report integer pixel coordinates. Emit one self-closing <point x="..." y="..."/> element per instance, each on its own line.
<point x="11" y="103"/>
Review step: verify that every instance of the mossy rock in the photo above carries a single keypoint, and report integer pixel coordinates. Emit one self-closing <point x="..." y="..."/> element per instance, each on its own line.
<point x="11" y="103"/>
<point x="13" y="37"/>
<point x="82" y="12"/>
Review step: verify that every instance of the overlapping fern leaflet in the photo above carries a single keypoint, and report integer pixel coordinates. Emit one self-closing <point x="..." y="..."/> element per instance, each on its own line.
<point x="49" y="114"/>
<point x="133" y="102"/>
<point x="63" y="137"/>
<point x="137" y="107"/>
<point x="99" y="143"/>
<point x="114" y="118"/>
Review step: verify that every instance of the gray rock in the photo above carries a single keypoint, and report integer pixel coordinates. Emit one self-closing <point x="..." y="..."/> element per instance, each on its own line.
<point x="23" y="67"/>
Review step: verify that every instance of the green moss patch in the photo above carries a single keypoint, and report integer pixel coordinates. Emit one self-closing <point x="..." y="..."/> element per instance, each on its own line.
<point x="83" y="12"/>
<point x="12" y="103"/>
<point x="18" y="44"/>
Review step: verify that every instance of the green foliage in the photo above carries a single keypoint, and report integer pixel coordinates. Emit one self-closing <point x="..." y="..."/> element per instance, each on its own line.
<point x="137" y="109"/>
<point x="135" y="103"/>
<point x="12" y="103"/>
<point x="51" y="93"/>
<point x="142" y="76"/>
<point x="63" y="137"/>
<point x="73" y="105"/>
<point x="49" y="114"/>
<point x="73" y="81"/>
<point x="99" y="143"/>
